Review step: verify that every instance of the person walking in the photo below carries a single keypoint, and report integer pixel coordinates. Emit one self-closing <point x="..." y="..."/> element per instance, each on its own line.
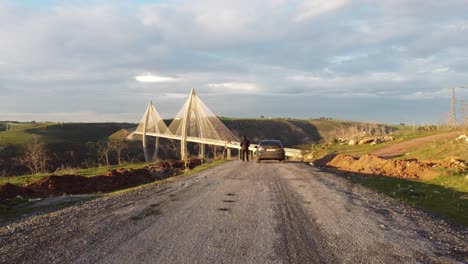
<point x="245" y="143"/>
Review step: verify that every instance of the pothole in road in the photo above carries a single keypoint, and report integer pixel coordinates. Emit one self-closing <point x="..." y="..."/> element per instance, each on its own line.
<point x="229" y="201"/>
<point x="224" y="209"/>
<point x="230" y="194"/>
<point x="145" y="213"/>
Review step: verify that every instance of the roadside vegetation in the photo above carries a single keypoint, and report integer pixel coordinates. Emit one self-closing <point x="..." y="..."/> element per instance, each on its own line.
<point x="446" y="195"/>
<point x="88" y="172"/>
<point x="437" y="150"/>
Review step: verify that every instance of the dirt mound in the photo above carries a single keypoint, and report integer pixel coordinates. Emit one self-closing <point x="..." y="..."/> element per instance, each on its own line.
<point x="375" y="165"/>
<point x="322" y="162"/>
<point x="111" y="180"/>
<point x="8" y="191"/>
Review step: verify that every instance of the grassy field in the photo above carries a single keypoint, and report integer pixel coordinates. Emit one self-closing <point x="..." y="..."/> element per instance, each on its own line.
<point x="90" y="172"/>
<point x="20" y="134"/>
<point x="436" y="150"/>
<point x="80" y="133"/>
<point x="444" y="196"/>
<point x="440" y="149"/>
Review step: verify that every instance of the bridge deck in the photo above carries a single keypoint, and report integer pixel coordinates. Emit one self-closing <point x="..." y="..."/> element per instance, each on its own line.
<point x="290" y="152"/>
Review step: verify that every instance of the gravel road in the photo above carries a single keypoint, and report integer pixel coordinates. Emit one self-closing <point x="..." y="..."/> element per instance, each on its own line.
<point x="239" y="212"/>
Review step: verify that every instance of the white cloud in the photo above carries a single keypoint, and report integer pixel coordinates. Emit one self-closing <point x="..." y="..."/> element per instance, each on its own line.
<point x="152" y="78"/>
<point x="212" y="23"/>
<point x="426" y="95"/>
<point x="339" y="82"/>
<point x="236" y="86"/>
<point x="310" y="9"/>
<point x="62" y="51"/>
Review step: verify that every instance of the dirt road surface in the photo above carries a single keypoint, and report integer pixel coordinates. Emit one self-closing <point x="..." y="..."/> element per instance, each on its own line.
<point x="239" y="213"/>
<point x="400" y="149"/>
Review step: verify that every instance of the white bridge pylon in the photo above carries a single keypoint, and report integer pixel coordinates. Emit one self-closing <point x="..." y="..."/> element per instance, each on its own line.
<point x="194" y="123"/>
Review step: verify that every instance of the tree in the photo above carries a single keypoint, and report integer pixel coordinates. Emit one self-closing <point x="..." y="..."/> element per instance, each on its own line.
<point x="103" y="153"/>
<point x="35" y="157"/>
<point x="110" y="149"/>
<point x="118" y="145"/>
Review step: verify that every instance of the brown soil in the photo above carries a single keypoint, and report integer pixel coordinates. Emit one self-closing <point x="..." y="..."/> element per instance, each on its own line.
<point x="9" y="190"/>
<point x="110" y="181"/>
<point x="400" y="149"/>
<point x="408" y="168"/>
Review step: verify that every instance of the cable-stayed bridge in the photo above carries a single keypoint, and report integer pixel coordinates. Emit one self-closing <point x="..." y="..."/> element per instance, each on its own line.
<point x="193" y="123"/>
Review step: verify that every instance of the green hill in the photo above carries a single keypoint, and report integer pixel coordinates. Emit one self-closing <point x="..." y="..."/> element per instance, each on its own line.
<point x="68" y="145"/>
<point x="78" y="144"/>
<point x="79" y="133"/>
<point x="292" y="132"/>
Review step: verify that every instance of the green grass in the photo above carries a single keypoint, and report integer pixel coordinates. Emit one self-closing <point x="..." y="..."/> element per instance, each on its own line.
<point x="20" y="134"/>
<point x="204" y="167"/>
<point x="90" y="172"/>
<point x="444" y="196"/>
<point x="436" y="150"/>
<point x="440" y="149"/>
<point x="80" y="133"/>
<point x="321" y="150"/>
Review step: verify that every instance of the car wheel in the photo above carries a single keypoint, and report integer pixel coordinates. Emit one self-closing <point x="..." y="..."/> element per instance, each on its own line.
<point x="258" y="160"/>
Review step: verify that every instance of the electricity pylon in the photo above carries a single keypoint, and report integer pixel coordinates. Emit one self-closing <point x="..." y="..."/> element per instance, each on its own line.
<point x="453" y="109"/>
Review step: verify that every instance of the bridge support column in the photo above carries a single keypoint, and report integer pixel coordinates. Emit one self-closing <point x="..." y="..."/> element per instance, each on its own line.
<point x="156" y="149"/>
<point x="145" y="144"/>
<point x="185" y="127"/>
<point x="228" y="154"/>
<point x="201" y="152"/>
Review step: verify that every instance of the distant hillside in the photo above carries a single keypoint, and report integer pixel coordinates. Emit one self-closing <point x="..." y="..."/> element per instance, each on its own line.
<point x="291" y="132"/>
<point x="78" y="144"/>
<point x="68" y="145"/>
<point x="78" y="133"/>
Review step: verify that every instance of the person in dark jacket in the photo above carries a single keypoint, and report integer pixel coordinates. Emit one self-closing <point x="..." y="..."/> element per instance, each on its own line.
<point x="245" y="143"/>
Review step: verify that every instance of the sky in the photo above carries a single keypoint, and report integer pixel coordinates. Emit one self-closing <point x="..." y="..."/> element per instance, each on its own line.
<point x="103" y="61"/>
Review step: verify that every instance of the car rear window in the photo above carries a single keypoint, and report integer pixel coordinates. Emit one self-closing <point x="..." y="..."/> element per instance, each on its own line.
<point x="271" y="144"/>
